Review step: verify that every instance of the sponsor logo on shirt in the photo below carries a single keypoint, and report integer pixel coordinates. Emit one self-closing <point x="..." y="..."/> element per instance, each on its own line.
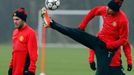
<point x="21" y="38"/>
<point x="114" y="24"/>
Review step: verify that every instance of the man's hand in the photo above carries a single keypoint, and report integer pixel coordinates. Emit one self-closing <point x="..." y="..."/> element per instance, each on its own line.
<point x="129" y="67"/>
<point x="92" y="66"/>
<point x="10" y="71"/>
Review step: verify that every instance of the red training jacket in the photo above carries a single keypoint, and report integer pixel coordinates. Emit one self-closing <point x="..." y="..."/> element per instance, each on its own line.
<point x="115" y="28"/>
<point x="25" y="41"/>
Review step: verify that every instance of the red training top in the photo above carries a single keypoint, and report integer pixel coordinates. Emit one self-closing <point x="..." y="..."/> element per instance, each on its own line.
<point x="114" y="31"/>
<point x="115" y="27"/>
<point x="24" y="40"/>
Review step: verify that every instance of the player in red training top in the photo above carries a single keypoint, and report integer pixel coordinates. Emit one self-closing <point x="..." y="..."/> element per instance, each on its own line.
<point x="24" y="44"/>
<point x="113" y="34"/>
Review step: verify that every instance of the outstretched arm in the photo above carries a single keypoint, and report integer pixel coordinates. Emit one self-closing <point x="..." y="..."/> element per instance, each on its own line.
<point x="94" y="12"/>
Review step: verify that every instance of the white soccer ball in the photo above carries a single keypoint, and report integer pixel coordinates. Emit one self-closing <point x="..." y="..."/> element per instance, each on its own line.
<point x="52" y="4"/>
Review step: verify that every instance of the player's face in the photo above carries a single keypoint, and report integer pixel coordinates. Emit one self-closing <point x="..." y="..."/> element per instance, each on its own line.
<point x="18" y="22"/>
<point x="111" y="12"/>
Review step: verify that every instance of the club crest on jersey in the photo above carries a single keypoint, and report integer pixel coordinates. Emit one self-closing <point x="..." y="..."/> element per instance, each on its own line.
<point x="114" y="24"/>
<point x="21" y="38"/>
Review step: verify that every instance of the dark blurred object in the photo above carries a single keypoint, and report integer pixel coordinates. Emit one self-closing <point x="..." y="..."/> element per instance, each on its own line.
<point x="10" y="71"/>
<point x="129" y="67"/>
<point x="92" y="66"/>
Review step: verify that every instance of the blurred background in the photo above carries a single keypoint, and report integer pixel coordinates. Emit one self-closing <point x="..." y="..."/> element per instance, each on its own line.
<point x="55" y="39"/>
<point x="33" y="7"/>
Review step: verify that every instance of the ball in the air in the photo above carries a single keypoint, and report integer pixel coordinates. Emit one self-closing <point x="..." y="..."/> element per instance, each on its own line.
<point x="52" y="4"/>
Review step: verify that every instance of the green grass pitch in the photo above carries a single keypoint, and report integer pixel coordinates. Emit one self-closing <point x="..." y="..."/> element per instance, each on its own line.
<point x="58" y="61"/>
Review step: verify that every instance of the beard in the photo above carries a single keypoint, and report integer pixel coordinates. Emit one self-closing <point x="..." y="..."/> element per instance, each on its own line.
<point x="19" y="26"/>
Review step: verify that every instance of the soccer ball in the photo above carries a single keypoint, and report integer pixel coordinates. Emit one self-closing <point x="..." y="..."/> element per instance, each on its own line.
<point x="52" y="4"/>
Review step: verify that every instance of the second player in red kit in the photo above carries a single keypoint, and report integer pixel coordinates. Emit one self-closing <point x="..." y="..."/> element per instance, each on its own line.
<point x="24" y="46"/>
